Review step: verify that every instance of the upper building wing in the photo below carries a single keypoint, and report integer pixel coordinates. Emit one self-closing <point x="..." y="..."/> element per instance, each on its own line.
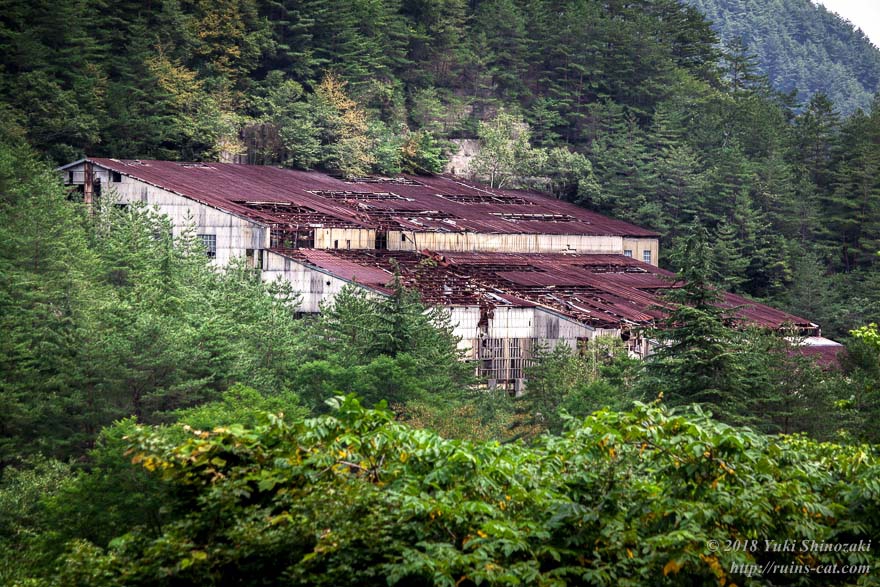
<point x="406" y="203"/>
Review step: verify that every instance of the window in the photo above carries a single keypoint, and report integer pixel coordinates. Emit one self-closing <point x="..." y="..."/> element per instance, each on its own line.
<point x="210" y="242"/>
<point x="628" y="253"/>
<point x="646" y="256"/>
<point x="115" y="176"/>
<point x="250" y="258"/>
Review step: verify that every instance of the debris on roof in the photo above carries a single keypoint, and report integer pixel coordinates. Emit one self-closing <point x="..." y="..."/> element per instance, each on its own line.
<point x="403" y="203"/>
<point x="603" y="291"/>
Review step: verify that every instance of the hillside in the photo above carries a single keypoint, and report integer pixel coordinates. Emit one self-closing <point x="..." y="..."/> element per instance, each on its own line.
<point x="170" y="417"/>
<point x="801" y="47"/>
<point x="627" y="108"/>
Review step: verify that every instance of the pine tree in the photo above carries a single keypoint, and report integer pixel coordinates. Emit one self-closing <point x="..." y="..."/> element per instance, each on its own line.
<point x="852" y="208"/>
<point x="504" y="26"/>
<point x="695" y="358"/>
<point x="728" y="262"/>
<point x="814" y="132"/>
<point x="48" y="308"/>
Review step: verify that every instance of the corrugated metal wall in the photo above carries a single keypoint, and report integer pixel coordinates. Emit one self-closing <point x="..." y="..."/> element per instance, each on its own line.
<point x="235" y="235"/>
<point x="503" y="243"/>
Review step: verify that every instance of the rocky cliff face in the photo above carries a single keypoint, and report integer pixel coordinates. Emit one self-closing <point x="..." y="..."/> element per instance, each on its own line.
<point x="460" y="161"/>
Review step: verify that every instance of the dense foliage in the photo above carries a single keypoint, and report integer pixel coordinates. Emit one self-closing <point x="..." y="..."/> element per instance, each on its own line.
<point x="135" y="378"/>
<point x="646" y="497"/>
<point x="629" y="108"/>
<point x="104" y="317"/>
<point x="802" y="47"/>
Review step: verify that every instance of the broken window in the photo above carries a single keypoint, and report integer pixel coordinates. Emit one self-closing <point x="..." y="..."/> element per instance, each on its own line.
<point x="358" y="196"/>
<point x="491" y="355"/>
<point x="384" y="180"/>
<point x="210" y="243"/>
<point x="284" y="238"/>
<point x="486" y="199"/>
<point x="521" y="217"/>
<point x="115" y="176"/>
<point x="254" y="258"/>
<point x="504" y="360"/>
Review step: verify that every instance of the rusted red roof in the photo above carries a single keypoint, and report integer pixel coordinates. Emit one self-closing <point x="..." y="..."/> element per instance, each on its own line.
<point x="433" y="204"/>
<point x="372" y="277"/>
<point x="604" y="291"/>
<point x="826" y="353"/>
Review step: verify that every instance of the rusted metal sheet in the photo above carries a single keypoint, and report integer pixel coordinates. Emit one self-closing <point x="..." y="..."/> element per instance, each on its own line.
<point x="373" y="277"/>
<point x="425" y="204"/>
<point x="602" y="291"/>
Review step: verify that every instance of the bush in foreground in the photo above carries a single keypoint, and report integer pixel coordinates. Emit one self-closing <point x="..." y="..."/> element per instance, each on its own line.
<point x="355" y="498"/>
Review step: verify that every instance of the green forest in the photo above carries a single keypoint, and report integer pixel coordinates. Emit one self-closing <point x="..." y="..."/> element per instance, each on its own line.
<point x="802" y="47"/>
<point x="166" y="422"/>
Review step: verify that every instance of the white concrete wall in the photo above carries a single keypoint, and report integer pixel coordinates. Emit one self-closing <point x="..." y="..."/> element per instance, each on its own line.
<point x="313" y="285"/>
<point x="544" y="326"/>
<point x="345" y="238"/>
<point x="234" y="234"/>
<point x="505" y="243"/>
<point x="638" y="246"/>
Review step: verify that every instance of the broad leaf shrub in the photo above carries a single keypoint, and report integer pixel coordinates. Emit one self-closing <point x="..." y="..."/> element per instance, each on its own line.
<point x="356" y="498"/>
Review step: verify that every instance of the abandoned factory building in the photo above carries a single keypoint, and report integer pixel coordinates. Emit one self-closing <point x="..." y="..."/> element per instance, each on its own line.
<point x="514" y="268"/>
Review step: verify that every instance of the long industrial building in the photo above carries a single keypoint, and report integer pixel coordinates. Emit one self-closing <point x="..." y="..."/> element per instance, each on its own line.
<point x="515" y="268"/>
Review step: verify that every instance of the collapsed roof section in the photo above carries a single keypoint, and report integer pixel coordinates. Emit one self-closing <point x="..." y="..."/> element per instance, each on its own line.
<point x="308" y="199"/>
<point x="602" y="291"/>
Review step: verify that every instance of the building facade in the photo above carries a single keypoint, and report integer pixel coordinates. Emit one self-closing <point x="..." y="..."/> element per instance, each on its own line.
<point x="516" y="269"/>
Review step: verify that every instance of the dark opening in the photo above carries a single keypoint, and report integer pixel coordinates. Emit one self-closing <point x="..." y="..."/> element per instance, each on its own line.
<point x="115" y="176"/>
<point x="381" y="240"/>
<point x="210" y="243"/>
<point x="335" y="244"/>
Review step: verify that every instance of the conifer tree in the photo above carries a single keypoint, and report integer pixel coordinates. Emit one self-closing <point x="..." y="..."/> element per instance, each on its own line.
<point x="852" y="207"/>
<point x="695" y="359"/>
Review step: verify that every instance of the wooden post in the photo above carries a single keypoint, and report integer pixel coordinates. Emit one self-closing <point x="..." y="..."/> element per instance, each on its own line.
<point x="88" y="183"/>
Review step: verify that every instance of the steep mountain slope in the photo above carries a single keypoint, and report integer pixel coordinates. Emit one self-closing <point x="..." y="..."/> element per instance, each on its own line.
<point x="801" y="46"/>
<point x="629" y="107"/>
